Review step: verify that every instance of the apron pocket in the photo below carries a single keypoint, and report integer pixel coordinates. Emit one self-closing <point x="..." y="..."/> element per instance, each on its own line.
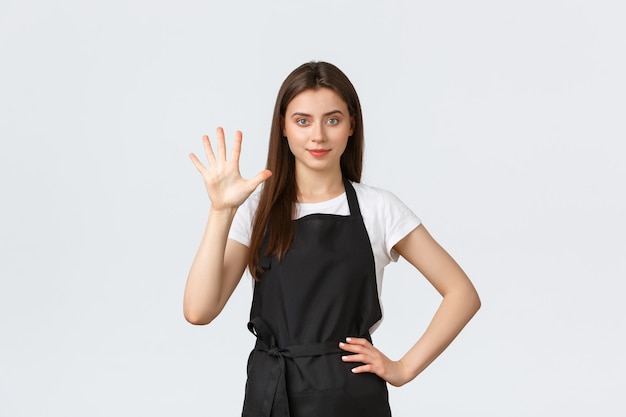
<point x="369" y="391"/>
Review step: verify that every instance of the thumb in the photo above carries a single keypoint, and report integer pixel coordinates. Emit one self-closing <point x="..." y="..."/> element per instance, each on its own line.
<point x="260" y="177"/>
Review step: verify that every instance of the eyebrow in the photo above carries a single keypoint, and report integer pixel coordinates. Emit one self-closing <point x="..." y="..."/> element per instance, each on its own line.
<point x="325" y="114"/>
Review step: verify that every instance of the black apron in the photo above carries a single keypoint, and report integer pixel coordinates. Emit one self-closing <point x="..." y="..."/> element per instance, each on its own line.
<point x="320" y="292"/>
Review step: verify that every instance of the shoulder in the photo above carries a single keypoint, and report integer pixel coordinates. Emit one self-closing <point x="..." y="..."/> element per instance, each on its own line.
<point x="369" y="191"/>
<point x="376" y="196"/>
<point x="387" y="219"/>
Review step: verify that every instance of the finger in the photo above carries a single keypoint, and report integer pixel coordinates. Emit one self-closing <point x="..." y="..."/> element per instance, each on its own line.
<point x="347" y="347"/>
<point x="355" y="358"/>
<point x="363" y="368"/>
<point x="236" y="152"/>
<point x="197" y="163"/>
<point x="208" y="150"/>
<point x="354" y="348"/>
<point x="260" y="177"/>
<point x="221" y="144"/>
<point x="350" y="348"/>
<point x="358" y="341"/>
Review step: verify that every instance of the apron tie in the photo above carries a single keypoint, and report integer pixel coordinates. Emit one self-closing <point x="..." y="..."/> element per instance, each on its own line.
<point x="274" y="352"/>
<point x="275" y="401"/>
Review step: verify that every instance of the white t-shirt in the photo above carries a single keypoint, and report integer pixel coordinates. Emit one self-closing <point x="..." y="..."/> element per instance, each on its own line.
<point x="386" y="218"/>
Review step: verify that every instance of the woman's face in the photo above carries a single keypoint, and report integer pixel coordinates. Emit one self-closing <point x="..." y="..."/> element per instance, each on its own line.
<point x="317" y="125"/>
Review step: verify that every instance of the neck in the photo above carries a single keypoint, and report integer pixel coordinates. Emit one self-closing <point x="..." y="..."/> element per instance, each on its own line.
<point x="313" y="187"/>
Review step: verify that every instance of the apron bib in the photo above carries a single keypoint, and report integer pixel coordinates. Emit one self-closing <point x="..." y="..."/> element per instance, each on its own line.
<point x="320" y="292"/>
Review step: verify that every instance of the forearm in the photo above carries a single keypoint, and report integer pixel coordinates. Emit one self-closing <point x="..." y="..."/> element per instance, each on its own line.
<point x="204" y="292"/>
<point x="456" y="309"/>
<point x="454" y="312"/>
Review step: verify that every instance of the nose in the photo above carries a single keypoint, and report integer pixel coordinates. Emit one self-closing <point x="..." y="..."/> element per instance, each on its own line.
<point x="317" y="133"/>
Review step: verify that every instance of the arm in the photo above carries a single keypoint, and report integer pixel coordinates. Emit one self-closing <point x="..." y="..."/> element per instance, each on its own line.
<point x="216" y="270"/>
<point x="460" y="303"/>
<point x="219" y="263"/>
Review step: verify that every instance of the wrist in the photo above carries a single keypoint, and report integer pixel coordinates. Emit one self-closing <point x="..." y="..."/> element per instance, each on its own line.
<point x="222" y="215"/>
<point x="223" y="211"/>
<point x="408" y="372"/>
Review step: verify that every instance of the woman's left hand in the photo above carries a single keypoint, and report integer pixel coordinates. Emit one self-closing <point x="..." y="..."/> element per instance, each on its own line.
<point x="374" y="361"/>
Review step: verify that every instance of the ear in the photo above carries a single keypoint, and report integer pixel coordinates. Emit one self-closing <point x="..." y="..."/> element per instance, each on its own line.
<point x="282" y="126"/>
<point x="352" y="123"/>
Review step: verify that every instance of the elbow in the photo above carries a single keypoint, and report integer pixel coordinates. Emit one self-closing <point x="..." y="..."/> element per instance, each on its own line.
<point x="467" y="299"/>
<point x="197" y="321"/>
<point x="476" y="303"/>
<point x="197" y="317"/>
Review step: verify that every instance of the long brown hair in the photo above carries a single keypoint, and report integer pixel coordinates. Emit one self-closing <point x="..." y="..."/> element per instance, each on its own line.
<point x="278" y="197"/>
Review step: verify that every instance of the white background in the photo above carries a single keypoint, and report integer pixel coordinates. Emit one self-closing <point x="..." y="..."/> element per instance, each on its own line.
<point x="500" y="123"/>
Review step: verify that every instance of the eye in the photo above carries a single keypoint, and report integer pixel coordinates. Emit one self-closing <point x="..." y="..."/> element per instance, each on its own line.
<point x="332" y="121"/>
<point x="302" y="122"/>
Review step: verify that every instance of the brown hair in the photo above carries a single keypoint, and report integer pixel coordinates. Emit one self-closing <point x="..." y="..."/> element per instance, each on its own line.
<point x="274" y="214"/>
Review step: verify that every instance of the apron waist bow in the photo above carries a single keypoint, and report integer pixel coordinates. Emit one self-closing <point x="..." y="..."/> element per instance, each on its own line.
<point x="276" y="387"/>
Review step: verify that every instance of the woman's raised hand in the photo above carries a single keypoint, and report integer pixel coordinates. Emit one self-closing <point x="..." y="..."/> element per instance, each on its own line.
<point x="224" y="184"/>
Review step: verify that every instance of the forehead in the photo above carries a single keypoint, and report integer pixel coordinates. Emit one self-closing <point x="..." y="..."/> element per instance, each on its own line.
<point x="319" y="100"/>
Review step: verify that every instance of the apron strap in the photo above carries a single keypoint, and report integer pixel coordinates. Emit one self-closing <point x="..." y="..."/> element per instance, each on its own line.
<point x="353" y="203"/>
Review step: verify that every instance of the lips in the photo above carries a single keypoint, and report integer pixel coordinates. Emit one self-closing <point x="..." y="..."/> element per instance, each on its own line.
<point x="318" y="153"/>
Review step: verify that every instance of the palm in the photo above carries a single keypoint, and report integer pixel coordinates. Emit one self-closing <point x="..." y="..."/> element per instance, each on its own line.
<point x="224" y="184"/>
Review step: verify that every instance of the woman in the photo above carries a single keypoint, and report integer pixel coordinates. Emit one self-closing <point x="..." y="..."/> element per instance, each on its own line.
<point x="316" y="241"/>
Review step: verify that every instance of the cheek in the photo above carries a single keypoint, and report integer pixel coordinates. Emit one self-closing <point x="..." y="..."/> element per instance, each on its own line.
<point x="290" y="143"/>
<point x="290" y="132"/>
<point x="344" y="145"/>
<point x="295" y="137"/>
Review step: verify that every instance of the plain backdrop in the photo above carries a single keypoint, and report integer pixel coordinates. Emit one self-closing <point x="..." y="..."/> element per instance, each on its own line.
<point x="501" y="124"/>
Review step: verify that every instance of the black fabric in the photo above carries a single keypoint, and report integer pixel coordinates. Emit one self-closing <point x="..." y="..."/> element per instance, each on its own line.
<point x="320" y="292"/>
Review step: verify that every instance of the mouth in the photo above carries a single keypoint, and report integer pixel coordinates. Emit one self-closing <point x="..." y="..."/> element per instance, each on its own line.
<point x="318" y="153"/>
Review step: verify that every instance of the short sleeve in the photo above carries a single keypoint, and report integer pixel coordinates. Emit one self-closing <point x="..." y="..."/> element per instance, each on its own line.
<point x="241" y="228"/>
<point x="399" y="222"/>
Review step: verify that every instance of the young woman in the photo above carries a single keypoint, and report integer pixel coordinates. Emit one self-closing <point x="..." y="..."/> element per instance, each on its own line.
<point x="316" y="242"/>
